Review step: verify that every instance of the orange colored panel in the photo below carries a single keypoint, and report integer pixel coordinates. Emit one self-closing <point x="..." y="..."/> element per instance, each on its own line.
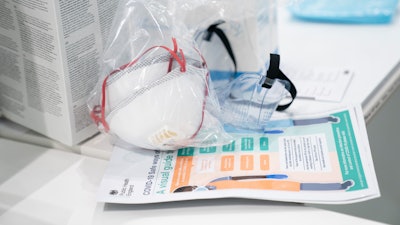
<point x="264" y="162"/>
<point x="246" y="162"/>
<point x="182" y="172"/>
<point x="227" y="163"/>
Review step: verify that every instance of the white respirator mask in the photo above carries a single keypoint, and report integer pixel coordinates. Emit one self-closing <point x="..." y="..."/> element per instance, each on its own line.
<point x="155" y="101"/>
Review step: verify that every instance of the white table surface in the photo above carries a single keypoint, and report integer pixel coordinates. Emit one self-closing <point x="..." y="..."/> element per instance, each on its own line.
<point x="372" y="52"/>
<point x="42" y="186"/>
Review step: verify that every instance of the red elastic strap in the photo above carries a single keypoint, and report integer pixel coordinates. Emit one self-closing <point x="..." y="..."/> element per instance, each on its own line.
<point x="174" y="56"/>
<point x="205" y="93"/>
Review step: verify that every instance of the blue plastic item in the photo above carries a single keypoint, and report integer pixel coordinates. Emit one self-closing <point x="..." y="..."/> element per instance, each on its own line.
<point x="345" y="11"/>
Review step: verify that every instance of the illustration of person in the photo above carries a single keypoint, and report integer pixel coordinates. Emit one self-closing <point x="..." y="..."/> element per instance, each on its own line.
<point x="265" y="182"/>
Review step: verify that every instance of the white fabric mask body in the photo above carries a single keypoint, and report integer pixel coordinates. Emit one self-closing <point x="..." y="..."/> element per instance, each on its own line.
<point x="126" y="82"/>
<point x="150" y="110"/>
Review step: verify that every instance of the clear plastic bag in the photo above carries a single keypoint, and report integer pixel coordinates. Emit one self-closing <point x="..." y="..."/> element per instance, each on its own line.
<point x="155" y="90"/>
<point x="249" y="100"/>
<point x="236" y="39"/>
<point x="248" y="105"/>
<point x="234" y="36"/>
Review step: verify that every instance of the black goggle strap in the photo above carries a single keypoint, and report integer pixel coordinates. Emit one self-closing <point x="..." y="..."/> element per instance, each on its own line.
<point x="222" y="36"/>
<point x="275" y="73"/>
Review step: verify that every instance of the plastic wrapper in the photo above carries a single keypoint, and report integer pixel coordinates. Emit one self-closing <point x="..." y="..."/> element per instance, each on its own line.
<point x="249" y="100"/>
<point x="155" y="90"/>
<point x="234" y="36"/>
<point x="249" y="105"/>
